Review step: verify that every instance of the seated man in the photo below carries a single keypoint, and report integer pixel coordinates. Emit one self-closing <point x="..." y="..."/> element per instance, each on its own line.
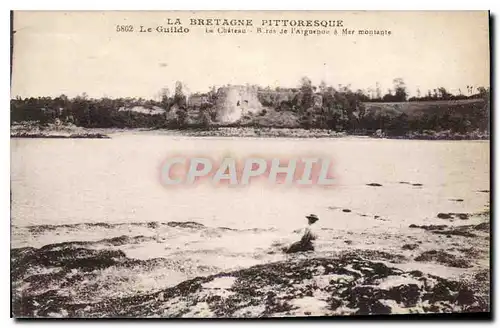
<point x="306" y="242"/>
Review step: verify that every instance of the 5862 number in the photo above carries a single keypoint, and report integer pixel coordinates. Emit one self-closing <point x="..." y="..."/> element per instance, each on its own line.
<point x="124" y="28"/>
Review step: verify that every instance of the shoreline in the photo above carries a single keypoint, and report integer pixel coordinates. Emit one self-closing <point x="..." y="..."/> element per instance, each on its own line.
<point x="350" y="281"/>
<point x="74" y="132"/>
<point x="72" y="136"/>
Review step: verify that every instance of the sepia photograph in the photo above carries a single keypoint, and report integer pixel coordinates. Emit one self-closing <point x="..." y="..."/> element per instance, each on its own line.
<point x="250" y="164"/>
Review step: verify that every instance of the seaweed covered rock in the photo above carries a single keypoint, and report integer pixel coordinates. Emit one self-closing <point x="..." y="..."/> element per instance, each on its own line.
<point x="345" y="285"/>
<point x="444" y="258"/>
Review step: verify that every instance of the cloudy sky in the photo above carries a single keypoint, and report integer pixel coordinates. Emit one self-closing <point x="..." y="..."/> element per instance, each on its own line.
<point x="74" y="52"/>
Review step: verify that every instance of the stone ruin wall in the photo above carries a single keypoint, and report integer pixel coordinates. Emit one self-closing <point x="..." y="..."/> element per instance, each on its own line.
<point x="235" y="101"/>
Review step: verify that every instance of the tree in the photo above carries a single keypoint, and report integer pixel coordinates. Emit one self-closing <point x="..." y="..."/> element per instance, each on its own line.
<point x="304" y="98"/>
<point x="400" y="91"/>
<point x="179" y="97"/>
<point x="322" y="86"/>
<point x="378" y="92"/>
<point x="164" y="95"/>
<point x="443" y="93"/>
<point x="205" y="120"/>
<point x="482" y="91"/>
<point x="181" y="117"/>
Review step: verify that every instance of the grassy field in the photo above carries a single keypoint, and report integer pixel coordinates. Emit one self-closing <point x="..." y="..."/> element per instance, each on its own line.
<point x="418" y="108"/>
<point x="468" y="109"/>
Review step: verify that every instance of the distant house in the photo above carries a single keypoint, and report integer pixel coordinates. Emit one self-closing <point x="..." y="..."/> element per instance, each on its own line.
<point x="197" y="100"/>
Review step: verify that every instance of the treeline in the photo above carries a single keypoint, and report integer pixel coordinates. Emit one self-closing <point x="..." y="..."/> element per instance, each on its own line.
<point x="343" y="109"/>
<point x="92" y="113"/>
<point x="81" y="110"/>
<point x="399" y="93"/>
<point x="306" y="106"/>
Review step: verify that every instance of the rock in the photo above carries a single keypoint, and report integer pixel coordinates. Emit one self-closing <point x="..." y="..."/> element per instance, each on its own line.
<point x="185" y="224"/>
<point x="347" y="284"/>
<point x="465" y="297"/>
<point x="444" y="258"/>
<point x="471" y="251"/>
<point x="451" y="216"/>
<point x="346" y="210"/>
<point x="153" y="225"/>
<point x="410" y="246"/>
<point x="429" y="227"/>
<point x="457" y="232"/>
<point x="442" y="229"/>
<point x="444" y="216"/>
<point x="374" y="184"/>
<point x="462" y="216"/>
<point x="377" y="255"/>
<point x="485" y="226"/>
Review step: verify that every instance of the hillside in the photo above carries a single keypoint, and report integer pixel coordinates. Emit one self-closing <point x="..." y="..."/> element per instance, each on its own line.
<point x="418" y="108"/>
<point x="340" y="111"/>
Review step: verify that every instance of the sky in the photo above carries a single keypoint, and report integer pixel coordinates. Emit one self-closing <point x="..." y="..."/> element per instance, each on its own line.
<point x="80" y="52"/>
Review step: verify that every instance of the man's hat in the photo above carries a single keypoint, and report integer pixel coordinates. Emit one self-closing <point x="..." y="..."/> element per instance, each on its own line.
<point x="312" y="217"/>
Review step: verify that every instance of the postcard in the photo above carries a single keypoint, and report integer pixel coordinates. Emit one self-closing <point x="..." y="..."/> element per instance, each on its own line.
<point x="250" y="164"/>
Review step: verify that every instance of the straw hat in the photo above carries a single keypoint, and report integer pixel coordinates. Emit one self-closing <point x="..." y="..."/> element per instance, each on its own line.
<point x="312" y="218"/>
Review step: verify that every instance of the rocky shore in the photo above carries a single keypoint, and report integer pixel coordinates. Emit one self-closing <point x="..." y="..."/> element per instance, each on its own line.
<point x="34" y="130"/>
<point x="346" y="285"/>
<point x="266" y="132"/>
<point x="96" y="279"/>
<point x="55" y="131"/>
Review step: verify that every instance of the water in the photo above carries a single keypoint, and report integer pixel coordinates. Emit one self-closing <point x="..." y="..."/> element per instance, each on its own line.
<point x="56" y="181"/>
<point x="64" y="181"/>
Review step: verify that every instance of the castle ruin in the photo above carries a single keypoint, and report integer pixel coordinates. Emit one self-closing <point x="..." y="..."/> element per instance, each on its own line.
<point x="234" y="101"/>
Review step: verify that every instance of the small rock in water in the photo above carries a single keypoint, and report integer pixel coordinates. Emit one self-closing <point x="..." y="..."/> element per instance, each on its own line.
<point x="457" y="200"/>
<point x="485" y="226"/>
<point x="346" y="210"/>
<point x="410" y="246"/>
<point x="374" y="184"/>
<point x="450" y="216"/>
<point x="153" y="225"/>
<point x="417" y="184"/>
<point x="444" y="216"/>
